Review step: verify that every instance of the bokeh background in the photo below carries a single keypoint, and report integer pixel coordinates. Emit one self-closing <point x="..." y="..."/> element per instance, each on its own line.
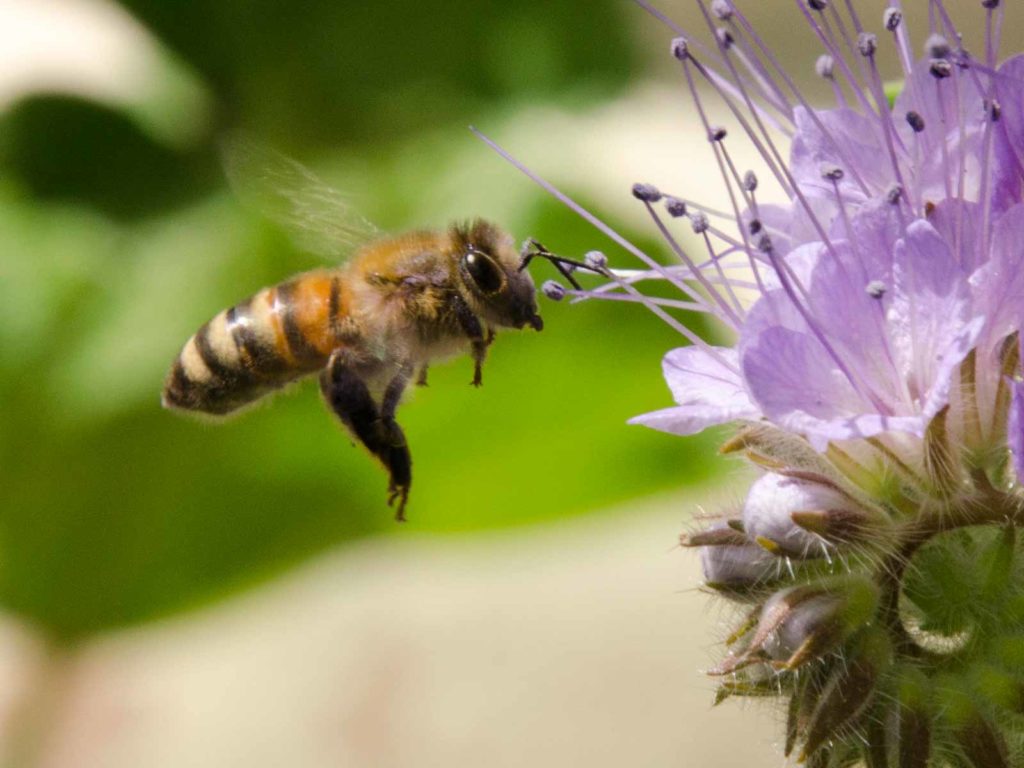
<point x="180" y="593"/>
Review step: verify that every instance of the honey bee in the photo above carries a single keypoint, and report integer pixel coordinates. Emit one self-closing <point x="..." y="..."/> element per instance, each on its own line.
<point x="366" y="327"/>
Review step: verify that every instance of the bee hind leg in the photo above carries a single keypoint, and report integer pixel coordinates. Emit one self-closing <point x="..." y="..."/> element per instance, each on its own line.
<point x="349" y="397"/>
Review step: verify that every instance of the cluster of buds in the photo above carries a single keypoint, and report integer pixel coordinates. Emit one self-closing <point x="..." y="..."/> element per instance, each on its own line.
<point x="888" y="608"/>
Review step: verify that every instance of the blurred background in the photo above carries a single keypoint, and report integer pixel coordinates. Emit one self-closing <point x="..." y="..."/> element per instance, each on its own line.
<point x="180" y="593"/>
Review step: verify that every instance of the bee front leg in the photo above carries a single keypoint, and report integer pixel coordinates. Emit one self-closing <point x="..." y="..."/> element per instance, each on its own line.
<point x="348" y="396"/>
<point x="472" y="327"/>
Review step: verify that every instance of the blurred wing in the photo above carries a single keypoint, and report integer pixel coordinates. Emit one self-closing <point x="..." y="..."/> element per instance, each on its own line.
<point x="318" y="217"/>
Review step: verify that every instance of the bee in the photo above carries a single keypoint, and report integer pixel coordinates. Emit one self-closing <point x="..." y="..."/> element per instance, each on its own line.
<point x="367" y="328"/>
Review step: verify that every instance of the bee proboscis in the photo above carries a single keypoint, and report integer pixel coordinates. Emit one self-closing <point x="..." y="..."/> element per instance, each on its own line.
<point x="368" y="327"/>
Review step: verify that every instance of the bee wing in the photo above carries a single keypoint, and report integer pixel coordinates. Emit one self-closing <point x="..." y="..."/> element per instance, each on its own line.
<point x="319" y="218"/>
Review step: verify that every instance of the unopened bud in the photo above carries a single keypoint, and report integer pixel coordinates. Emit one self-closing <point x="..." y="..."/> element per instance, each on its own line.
<point x="980" y="741"/>
<point x="915" y="718"/>
<point x="732" y="569"/>
<point x="848" y="692"/>
<point x="892" y="18"/>
<point x="700" y="223"/>
<point x="772" y="501"/>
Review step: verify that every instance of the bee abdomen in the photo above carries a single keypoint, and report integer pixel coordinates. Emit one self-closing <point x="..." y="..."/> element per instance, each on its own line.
<point x="256" y="347"/>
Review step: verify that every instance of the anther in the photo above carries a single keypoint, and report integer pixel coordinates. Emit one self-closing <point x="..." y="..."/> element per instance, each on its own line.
<point x="750" y="181"/>
<point x="553" y="290"/>
<point x="867" y="43"/>
<point x="831" y="172"/>
<point x="940" y="69"/>
<point x="755" y="226"/>
<point x="764" y="243"/>
<point x="990" y="4"/>
<point x="894" y="194"/>
<point x="875" y="289"/>
<point x="993" y="109"/>
<point x="915" y="121"/>
<point x="680" y="48"/>
<point x="724" y="37"/>
<point x="700" y="223"/>
<point x="892" y="18"/>
<point x="937" y="47"/>
<point x="825" y="66"/>
<point x="817" y="5"/>
<point x="596" y="261"/>
<point x="722" y="9"/>
<point x="646" y="192"/>
<point x="717" y="133"/>
<point x="675" y="207"/>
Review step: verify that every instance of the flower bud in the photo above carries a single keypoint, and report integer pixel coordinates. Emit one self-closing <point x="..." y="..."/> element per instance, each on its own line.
<point x="772" y="502"/>
<point x="979" y="740"/>
<point x="801" y="623"/>
<point x="737" y="568"/>
<point x="914" y="734"/>
<point x="848" y="691"/>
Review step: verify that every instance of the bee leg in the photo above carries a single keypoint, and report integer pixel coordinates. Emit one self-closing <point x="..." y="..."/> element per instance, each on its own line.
<point x="348" y="396"/>
<point x="421" y="380"/>
<point x="471" y="326"/>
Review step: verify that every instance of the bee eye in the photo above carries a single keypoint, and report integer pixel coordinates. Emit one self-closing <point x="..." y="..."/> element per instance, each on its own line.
<point x="484" y="271"/>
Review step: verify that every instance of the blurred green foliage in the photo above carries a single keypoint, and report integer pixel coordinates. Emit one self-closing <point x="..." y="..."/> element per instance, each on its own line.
<point x="115" y="247"/>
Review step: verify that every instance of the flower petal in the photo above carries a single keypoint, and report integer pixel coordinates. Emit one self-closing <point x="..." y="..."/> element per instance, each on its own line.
<point x="929" y="313"/>
<point x="708" y="388"/>
<point x="1015" y="427"/>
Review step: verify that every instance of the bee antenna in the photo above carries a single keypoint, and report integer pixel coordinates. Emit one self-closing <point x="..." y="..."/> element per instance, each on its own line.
<point x="532" y="249"/>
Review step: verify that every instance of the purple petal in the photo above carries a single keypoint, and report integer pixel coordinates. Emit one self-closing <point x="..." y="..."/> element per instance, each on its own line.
<point x="1015" y="427"/>
<point x="707" y="386"/>
<point x="799" y="387"/>
<point x="999" y="284"/>
<point x="1008" y="162"/>
<point x="929" y="314"/>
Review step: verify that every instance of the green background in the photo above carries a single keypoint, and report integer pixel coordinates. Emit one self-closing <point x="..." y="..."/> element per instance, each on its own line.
<point x="119" y="237"/>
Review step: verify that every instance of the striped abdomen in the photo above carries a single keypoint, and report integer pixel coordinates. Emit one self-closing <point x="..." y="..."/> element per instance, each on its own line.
<point x="279" y="335"/>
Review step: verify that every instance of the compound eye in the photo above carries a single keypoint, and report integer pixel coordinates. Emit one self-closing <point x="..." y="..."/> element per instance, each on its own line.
<point x="484" y="271"/>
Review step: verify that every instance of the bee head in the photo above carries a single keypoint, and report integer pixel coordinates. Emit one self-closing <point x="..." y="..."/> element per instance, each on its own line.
<point x="488" y="268"/>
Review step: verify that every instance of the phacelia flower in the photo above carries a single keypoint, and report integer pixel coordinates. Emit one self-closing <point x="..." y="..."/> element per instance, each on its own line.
<point x="871" y="273"/>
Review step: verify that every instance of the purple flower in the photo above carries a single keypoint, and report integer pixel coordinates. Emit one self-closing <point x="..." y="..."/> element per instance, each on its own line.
<point x="871" y="273"/>
<point x="894" y="256"/>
